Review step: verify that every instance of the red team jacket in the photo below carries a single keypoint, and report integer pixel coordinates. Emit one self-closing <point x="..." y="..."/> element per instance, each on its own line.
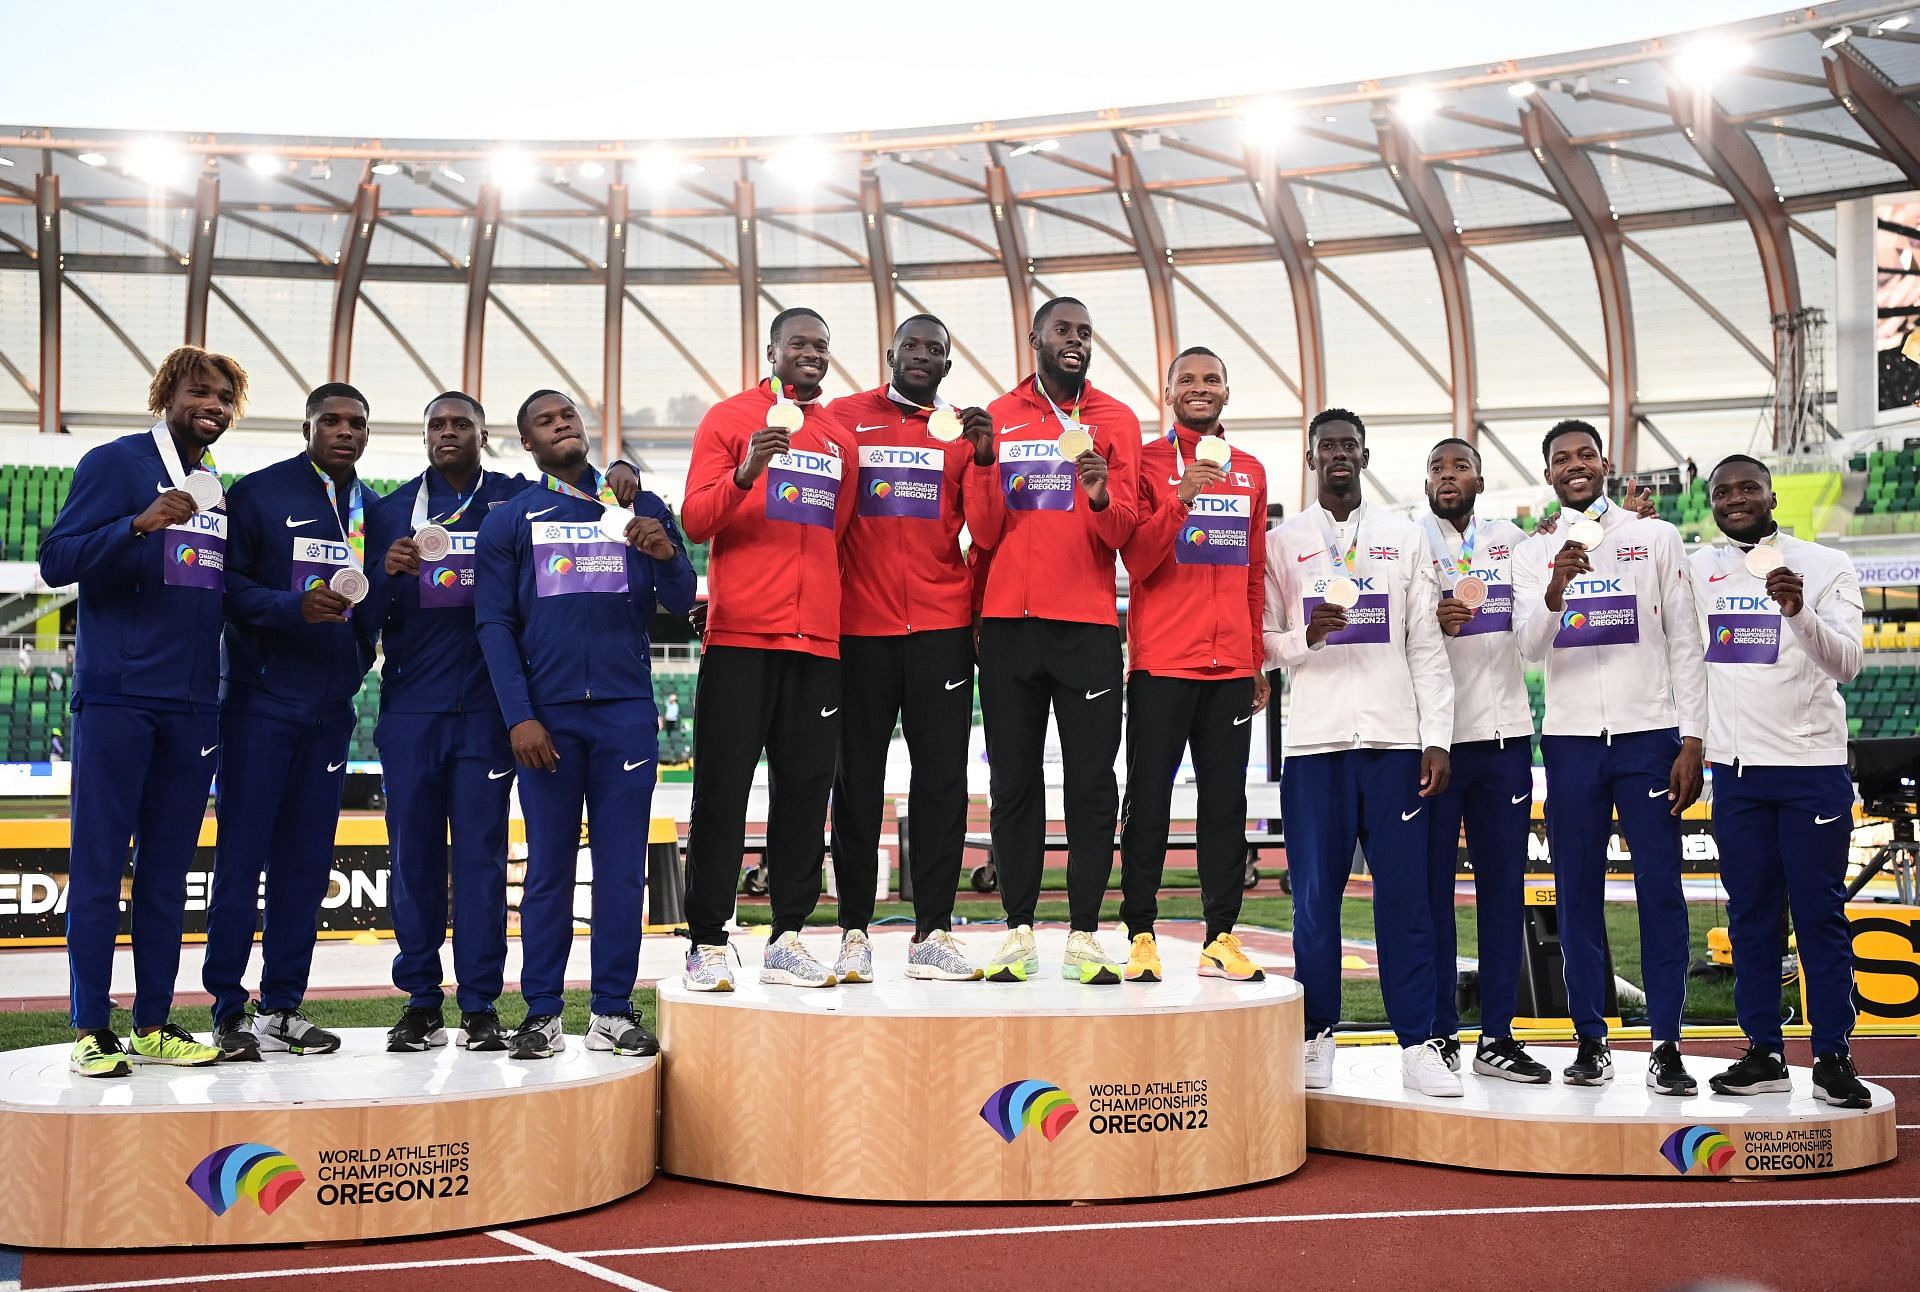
<point x="1052" y="554"/>
<point x="901" y="567"/>
<point x="773" y="577"/>
<point x="1198" y="574"/>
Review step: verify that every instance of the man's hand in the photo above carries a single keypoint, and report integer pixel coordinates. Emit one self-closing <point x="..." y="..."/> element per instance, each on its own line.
<point x="1093" y="478"/>
<point x="976" y="427"/>
<point x="1327" y="619"/>
<point x="324" y="606"/>
<point x="174" y="507"/>
<point x="1639" y="501"/>
<point x="1436" y="769"/>
<point x="768" y="443"/>
<point x="532" y="746"/>
<point x="1262" y="692"/>
<point x="1568" y="564"/>
<point x="1683" y="784"/>
<point x="1200" y="477"/>
<point x="1548" y="523"/>
<point x="403" y="557"/>
<point x="1788" y="589"/>
<point x="650" y="536"/>
<point x="1454" y="615"/>
<point x="624" y="481"/>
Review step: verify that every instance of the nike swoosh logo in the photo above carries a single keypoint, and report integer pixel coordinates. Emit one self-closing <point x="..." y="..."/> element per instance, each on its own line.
<point x="1715" y="578"/>
<point x="1009" y="430"/>
<point x="1095" y="695"/>
<point x="1408" y="816"/>
<point x="955" y="686"/>
<point x="828" y="713"/>
<point x="296" y="524"/>
<point x="858" y="428"/>
<point x="494" y="776"/>
<point x="1304" y="557"/>
<point x="1243" y="720"/>
<point x="1654" y="794"/>
<point x="209" y="749"/>
<point x="1173" y="480"/>
<point x="1825" y="820"/>
<point x="627" y="766"/>
<point x="1519" y="799"/>
<point x="334" y="767"/>
<point x="536" y="515"/>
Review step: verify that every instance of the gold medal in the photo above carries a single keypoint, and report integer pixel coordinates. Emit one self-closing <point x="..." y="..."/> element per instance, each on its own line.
<point x="1073" y="442"/>
<point x="1763" y="559"/>
<point x="943" y="424"/>
<point x="1213" y="449"/>
<point x="1471" y="592"/>
<point x="787" y="417"/>
<point x="1910" y="348"/>
<point x="1342" y="592"/>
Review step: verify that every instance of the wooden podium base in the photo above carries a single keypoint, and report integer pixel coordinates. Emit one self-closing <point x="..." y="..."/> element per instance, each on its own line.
<point x="976" y="1091"/>
<point x="1621" y="1129"/>
<point x="357" y="1144"/>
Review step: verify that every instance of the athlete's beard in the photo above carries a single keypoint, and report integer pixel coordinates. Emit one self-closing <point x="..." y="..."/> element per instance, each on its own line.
<point x="923" y="396"/>
<point x="1454" y="511"/>
<point x="1063" y="386"/>
<point x="1760" y="530"/>
<point x="1207" y="427"/>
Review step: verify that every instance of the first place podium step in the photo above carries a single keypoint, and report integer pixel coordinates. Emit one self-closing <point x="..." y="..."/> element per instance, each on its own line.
<point x="975" y="1092"/>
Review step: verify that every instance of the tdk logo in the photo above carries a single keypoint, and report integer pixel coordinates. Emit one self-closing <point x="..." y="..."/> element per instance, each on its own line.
<point x="207" y="522"/>
<point x="1594" y="587"/>
<point x="1219" y="505"/>
<point x="1029" y="450"/>
<point x="1364" y="583"/>
<point x="811" y="461"/>
<point x="1486" y="576"/>
<point x="560" y="529"/>
<point x="879" y="456"/>
<point x="1741" y="603"/>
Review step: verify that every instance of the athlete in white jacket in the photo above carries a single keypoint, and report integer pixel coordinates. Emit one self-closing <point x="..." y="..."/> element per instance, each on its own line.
<point x="1626" y="710"/>
<point x="1781" y="619"/>
<point x="1366" y="742"/>
<point x="1491" y="786"/>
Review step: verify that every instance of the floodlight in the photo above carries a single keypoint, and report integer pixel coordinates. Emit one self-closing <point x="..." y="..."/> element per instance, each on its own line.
<point x="803" y="163"/>
<point x="1523" y="89"/>
<point x="264" y="164"/>
<point x="511" y="169"/>
<point x="1036" y="146"/>
<point x="1416" y="104"/>
<point x="1266" y="123"/>
<point x="1839" y="36"/>
<point x="1705" y="61"/>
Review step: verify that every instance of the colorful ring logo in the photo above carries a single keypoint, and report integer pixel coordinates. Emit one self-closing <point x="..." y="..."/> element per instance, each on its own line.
<point x="790" y="493"/>
<point x="255" y="1171"/>
<point x="1574" y="619"/>
<point x="1724" y="636"/>
<point x="1020" y="1104"/>
<point x="558" y="564"/>
<point x="1196" y="535"/>
<point x="186" y="554"/>
<point x="1702" y="1146"/>
<point x="443" y="577"/>
<point x="880" y="488"/>
<point x="1016" y="484"/>
<point x="313" y="581"/>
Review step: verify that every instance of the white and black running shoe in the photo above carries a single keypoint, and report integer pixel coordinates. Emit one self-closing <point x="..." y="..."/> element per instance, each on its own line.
<point x="293" y="1032"/>
<point x="1836" y="1083"/>
<point x="538" y="1037"/>
<point x="1760" y="1071"/>
<point x="1450" y="1052"/>
<point x="1666" y="1074"/>
<point x="622" y="1034"/>
<point x="1507" y="1059"/>
<point x="234" y="1036"/>
<point x="481" y="1030"/>
<point x="1592" y="1066"/>
<point x="417" y="1031"/>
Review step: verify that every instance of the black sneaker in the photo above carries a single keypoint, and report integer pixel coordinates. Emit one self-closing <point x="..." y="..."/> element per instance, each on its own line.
<point x="1666" y="1074"/>
<point x="1592" y="1066"/>
<point x="1836" y="1083"/>
<point x="538" y="1037"/>
<point x="1507" y="1059"/>
<point x="1450" y="1052"/>
<point x="234" y="1035"/>
<point x="291" y="1030"/>
<point x="1760" y="1071"/>
<point x="418" y="1030"/>
<point x="481" y="1030"/>
<point x="622" y="1034"/>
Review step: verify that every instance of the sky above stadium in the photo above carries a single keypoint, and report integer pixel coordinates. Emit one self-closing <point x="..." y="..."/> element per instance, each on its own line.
<point x="494" y="69"/>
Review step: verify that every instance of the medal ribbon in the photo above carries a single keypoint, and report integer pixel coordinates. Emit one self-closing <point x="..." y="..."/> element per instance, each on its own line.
<point x="1463" y="563"/>
<point x="354" y="531"/>
<point x="170" y="457"/>
<point x="1066" y="419"/>
<point x="1173" y="436"/>
<point x="420" y="516"/>
<point x="604" y="493"/>
<point x="893" y="393"/>
<point x="1333" y="541"/>
<point x="1597" y="508"/>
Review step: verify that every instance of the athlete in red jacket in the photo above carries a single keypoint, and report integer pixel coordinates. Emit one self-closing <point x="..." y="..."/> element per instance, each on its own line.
<point x="771" y="486"/>
<point x="1057" y="503"/>
<point x="1197" y="563"/>
<point x="907" y="608"/>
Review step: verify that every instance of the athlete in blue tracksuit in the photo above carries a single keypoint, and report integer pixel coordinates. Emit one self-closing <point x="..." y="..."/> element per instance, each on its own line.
<point x="145" y="697"/>
<point x="295" y="658"/>
<point x="563" y="612"/>
<point x="443" y="747"/>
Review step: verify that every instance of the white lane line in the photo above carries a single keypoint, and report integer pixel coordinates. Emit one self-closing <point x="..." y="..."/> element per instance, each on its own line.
<point x="1008" y="1231"/>
<point x="573" y="1261"/>
<point x="1904" y="1126"/>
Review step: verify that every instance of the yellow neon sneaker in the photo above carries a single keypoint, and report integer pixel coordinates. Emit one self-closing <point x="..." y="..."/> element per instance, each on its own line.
<point x="1087" y="961"/>
<point x="1143" y="959"/>
<point x="173" y="1045"/>
<point x="1224" y="957"/>
<point x="1017" y="959"/>
<point x="98" y="1054"/>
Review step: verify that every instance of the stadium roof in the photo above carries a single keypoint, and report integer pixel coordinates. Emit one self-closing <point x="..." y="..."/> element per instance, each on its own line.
<point x="1606" y="233"/>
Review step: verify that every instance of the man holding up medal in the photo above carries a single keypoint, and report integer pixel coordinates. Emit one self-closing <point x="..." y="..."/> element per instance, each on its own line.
<point x="1351" y="611"/>
<point x="1057" y="500"/>
<point x="1491" y="780"/>
<point x="144" y="533"/>
<point x="1609" y="605"/>
<point x="566" y="583"/>
<point x="295" y="658"/>
<point x="1198" y="567"/>
<point x="771" y="485"/>
<point x="447" y="764"/>
<point x="1781" y="618"/>
<point x="905" y="616"/>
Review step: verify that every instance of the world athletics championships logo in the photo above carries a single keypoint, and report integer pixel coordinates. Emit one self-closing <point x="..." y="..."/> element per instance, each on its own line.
<point x="1692" y="1146"/>
<point x="442" y="577"/>
<point x="1016" y="484"/>
<point x="1020" y="1104"/>
<point x="1196" y="535"/>
<point x="1574" y="619"/>
<point x="314" y="581"/>
<point x="558" y="564"/>
<point x="186" y="554"/>
<point x="255" y="1171"/>
<point x="790" y="493"/>
<point x="1724" y="636"/>
<point x="880" y="488"/>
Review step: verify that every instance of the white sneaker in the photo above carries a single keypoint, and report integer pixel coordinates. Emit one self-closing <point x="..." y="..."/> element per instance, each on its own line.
<point x="1423" y="1068"/>
<point x="856" y="957"/>
<point x="707" y="970"/>
<point x="1086" y="961"/>
<point x="1018" y="958"/>
<point x="1320" y="1061"/>
<point x="788" y="963"/>
<point x="939" y="958"/>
